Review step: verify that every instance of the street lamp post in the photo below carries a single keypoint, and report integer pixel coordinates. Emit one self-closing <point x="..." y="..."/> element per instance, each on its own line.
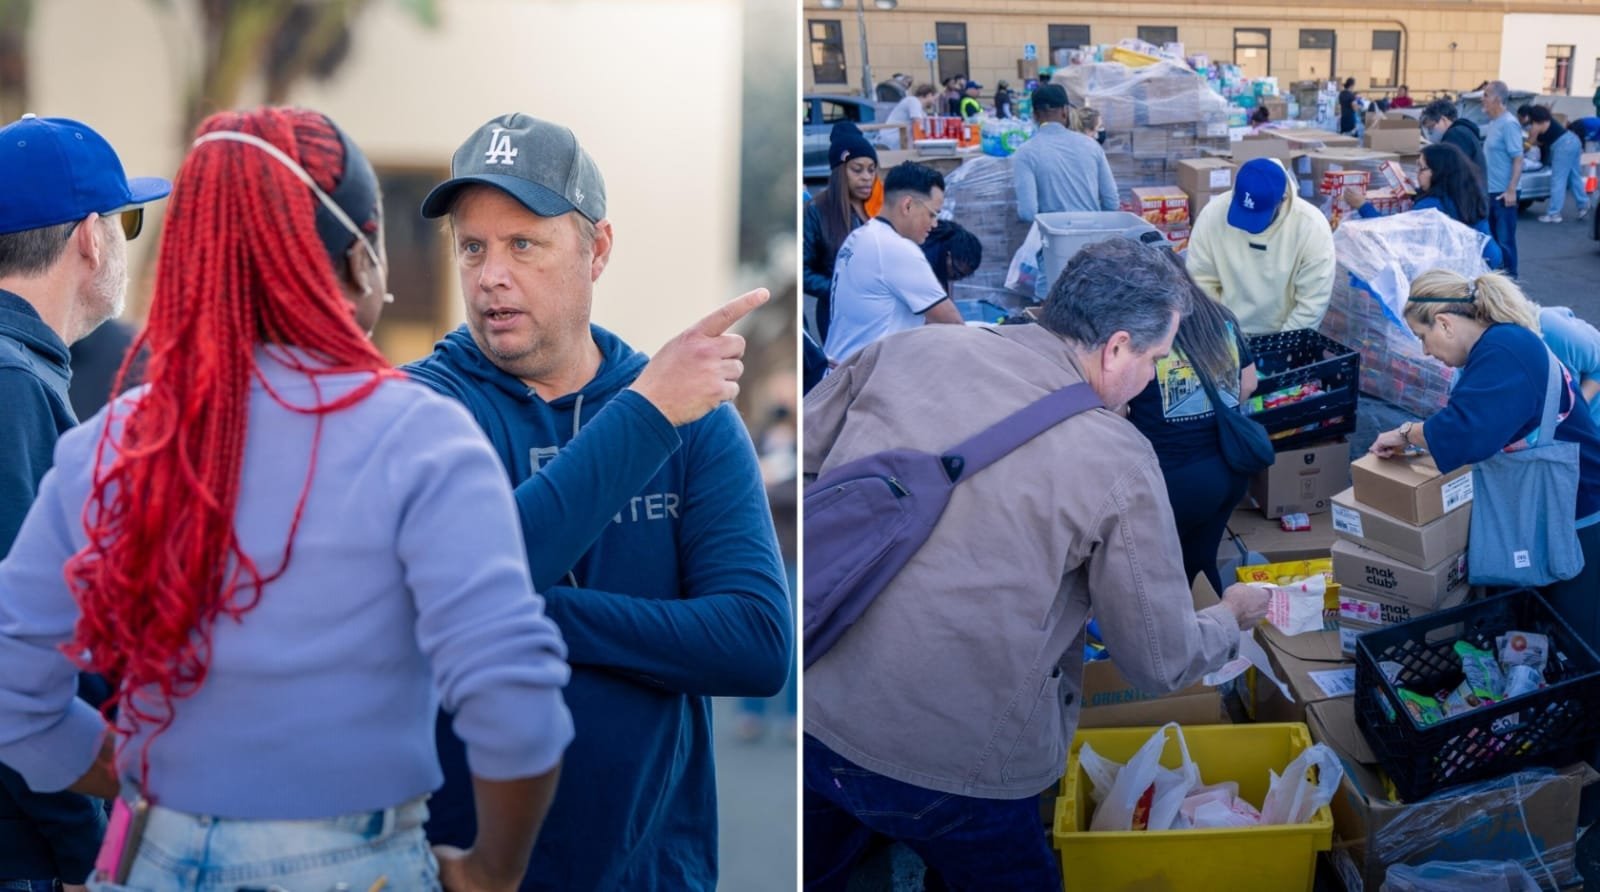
<point x="861" y="25"/>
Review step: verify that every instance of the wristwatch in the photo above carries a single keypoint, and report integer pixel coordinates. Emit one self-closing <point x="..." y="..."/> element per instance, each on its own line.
<point x="1405" y="431"/>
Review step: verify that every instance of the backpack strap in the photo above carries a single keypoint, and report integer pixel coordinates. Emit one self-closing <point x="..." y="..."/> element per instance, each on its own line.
<point x="1001" y="438"/>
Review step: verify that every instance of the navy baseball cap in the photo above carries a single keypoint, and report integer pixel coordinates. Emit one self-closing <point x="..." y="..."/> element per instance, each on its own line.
<point x="538" y="163"/>
<point x="56" y="170"/>
<point x="1258" y="189"/>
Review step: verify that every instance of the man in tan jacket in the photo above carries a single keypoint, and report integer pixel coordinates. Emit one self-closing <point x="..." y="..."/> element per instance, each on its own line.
<point x="940" y="716"/>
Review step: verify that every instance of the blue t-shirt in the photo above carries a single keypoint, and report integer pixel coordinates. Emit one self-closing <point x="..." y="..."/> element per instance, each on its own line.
<point x="1575" y="342"/>
<point x="1175" y="414"/>
<point x="1502" y="145"/>
<point x="1498" y="400"/>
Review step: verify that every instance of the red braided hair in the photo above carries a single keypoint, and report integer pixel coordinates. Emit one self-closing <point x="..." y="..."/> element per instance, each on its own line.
<point x="240" y="266"/>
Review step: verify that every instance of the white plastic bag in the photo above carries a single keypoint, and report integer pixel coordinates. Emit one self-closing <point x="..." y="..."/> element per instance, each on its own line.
<point x="1449" y="876"/>
<point x="1217" y="807"/>
<point x="1102" y="772"/>
<point x="1294" y="797"/>
<point x="1027" y="269"/>
<point x="1296" y="608"/>
<point x="1144" y="795"/>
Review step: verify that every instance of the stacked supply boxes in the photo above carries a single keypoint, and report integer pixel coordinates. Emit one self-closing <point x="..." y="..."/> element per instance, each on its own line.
<point x="981" y="196"/>
<point x="1166" y="208"/>
<point x="1203" y="179"/>
<point x="1402" y="549"/>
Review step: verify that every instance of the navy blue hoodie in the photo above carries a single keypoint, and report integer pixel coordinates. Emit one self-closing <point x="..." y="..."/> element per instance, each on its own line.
<point x="655" y="552"/>
<point x="42" y="835"/>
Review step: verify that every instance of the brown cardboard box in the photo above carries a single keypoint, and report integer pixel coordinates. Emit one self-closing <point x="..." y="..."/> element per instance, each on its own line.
<point x="1427" y="589"/>
<point x="1309" y="681"/>
<point x="1410" y="489"/>
<point x="1277" y="107"/>
<point x="1376" y="610"/>
<point x="1406" y="141"/>
<point x="1201" y="175"/>
<point x="1346" y="158"/>
<point x="1419" y="546"/>
<point x="1268" y="537"/>
<point x="1493" y="824"/>
<point x="1306" y="139"/>
<point x="1110" y="700"/>
<point x="1198" y="201"/>
<point x="1303" y="481"/>
<point x="1264" y="146"/>
<point x="1349" y="631"/>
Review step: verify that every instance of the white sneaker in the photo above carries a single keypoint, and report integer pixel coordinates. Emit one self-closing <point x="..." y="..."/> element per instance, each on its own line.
<point x="1550" y="218"/>
<point x="1583" y="213"/>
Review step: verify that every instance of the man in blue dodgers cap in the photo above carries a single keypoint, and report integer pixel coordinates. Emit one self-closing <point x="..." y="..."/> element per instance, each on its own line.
<point x="1264" y="252"/>
<point x="67" y="211"/>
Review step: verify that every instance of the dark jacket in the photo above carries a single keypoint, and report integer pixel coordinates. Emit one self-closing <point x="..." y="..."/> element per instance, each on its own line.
<point x="42" y="835"/>
<point x="817" y="263"/>
<point x="1466" y="136"/>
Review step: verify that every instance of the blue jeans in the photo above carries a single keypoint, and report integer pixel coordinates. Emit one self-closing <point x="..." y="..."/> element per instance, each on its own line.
<point x="966" y="843"/>
<point x="28" y="886"/>
<point x="1503" y="225"/>
<point x="193" y="853"/>
<point x="1565" y="173"/>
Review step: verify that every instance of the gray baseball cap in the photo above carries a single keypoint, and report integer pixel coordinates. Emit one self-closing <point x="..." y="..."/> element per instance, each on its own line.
<point x="536" y="162"/>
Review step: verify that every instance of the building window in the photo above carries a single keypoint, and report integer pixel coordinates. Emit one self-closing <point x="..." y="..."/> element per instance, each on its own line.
<point x="1252" y="51"/>
<point x="952" y="40"/>
<point x="1385" y="58"/>
<point x="827" y="51"/>
<point x="1317" y="48"/>
<point x="1067" y="37"/>
<point x="1558" y="69"/>
<point x="1158" y="34"/>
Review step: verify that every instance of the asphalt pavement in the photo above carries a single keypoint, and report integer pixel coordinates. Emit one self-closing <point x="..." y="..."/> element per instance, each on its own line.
<point x="756" y="804"/>
<point x="1559" y="263"/>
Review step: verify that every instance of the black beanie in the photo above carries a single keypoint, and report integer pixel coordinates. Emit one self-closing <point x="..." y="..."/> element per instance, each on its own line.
<point x="846" y="142"/>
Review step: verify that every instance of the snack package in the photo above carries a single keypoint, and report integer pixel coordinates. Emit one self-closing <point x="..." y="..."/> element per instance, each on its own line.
<point x="1483" y="672"/>
<point x="1295" y="523"/>
<point x="1423" y="708"/>
<point x="1523" y="679"/>
<point x="1296" y="608"/>
<point x="1523" y="649"/>
<point x="1460" y="700"/>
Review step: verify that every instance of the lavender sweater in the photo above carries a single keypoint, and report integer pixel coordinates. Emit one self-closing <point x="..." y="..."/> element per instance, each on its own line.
<point x="408" y="587"/>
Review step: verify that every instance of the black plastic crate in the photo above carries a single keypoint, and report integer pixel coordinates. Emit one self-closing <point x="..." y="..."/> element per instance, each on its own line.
<point x="1538" y="728"/>
<point x="1291" y="358"/>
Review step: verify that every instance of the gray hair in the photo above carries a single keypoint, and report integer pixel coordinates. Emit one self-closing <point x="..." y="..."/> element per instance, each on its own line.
<point x="1498" y="90"/>
<point x="32" y="252"/>
<point x="1116" y="285"/>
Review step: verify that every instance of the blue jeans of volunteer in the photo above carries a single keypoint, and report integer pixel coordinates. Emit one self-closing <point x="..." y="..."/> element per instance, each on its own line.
<point x="1503" y="226"/>
<point x="1565" y="174"/>
<point x="192" y="853"/>
<point x="966" y="843"/>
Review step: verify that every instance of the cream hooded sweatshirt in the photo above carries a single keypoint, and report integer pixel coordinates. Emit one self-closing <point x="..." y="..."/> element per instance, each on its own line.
<point x="1277" y="280"/>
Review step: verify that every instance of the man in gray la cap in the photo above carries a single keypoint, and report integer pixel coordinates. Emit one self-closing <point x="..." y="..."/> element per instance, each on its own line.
<point x="642" y="505"/>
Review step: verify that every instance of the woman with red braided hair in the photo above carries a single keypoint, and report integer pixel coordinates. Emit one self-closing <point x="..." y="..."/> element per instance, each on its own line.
<point x="287" y="556"/>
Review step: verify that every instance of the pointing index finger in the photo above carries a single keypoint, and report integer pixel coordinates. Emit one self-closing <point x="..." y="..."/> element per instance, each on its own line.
<point x="724" y="317"/>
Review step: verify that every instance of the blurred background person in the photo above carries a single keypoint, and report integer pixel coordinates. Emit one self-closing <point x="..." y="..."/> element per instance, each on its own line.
<point x="835" y="212"/>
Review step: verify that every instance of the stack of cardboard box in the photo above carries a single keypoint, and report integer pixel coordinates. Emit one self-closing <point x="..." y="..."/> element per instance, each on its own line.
<point x="1203" y="179"/>
<point x="1402" y="549"/>
<point x="1165" y="207"/>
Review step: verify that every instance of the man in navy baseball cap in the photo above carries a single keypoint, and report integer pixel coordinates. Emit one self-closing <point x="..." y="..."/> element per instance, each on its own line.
<point x="1264" y="252"/>
<point x="66" y="213"/>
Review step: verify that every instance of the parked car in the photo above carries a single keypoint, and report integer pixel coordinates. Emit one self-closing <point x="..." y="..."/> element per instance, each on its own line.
<point x="1535" y="184"/>
<point x="819" y="112"/>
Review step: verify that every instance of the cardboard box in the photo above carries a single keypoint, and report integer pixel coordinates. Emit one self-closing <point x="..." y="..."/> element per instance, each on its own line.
<point x="1483" y="822"/>
<point x="1377" y="610"/>
<point x="1346" y="158"/>
<point x="1110" y="700"/>
<point x="1307" y="139"/>
<point x="1303" y="481"/>
<point x="1263" y="145"/>
<point x="1260" y="534"/>
<point x="1198" y="201"/>
<point x="1349" y="632"/>
<point x="1309" y="681"/>
<point x="1160" y="204"/>
<point x="1201" y="175"/>
<point x="1401" y="142"/>
<point x="1419" y="546"/>
<point x="1427" y="589"/>
<point x="1410" y="489"/>
<point x="1277" y="107"/>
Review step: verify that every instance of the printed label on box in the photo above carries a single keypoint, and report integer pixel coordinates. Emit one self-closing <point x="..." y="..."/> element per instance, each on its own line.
<point x="1336" y="682"/>
<point x="1347" y="640"/>
<point x="1520" y="560"/>
<point x="1457" y="492"/>
<point x="1221" y="178"/>
<point x="1347" y="520"/>
<point x="1372" y="612"/>
<point x="1217" y="129"/>
<point x="1379" y="578"/>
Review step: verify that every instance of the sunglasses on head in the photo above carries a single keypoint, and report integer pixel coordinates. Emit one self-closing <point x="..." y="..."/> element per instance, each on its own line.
<point x="132" y="220"/>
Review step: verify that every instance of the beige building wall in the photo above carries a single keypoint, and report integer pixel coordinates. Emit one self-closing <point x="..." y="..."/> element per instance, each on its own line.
<point x="1527" y="42"/>
<point x="409" y="95"/>
<point x="997" y="31"/>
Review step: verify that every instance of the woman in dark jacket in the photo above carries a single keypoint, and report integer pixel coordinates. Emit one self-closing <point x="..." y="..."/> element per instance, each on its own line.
<point x="835" y="212"/>
<point x="1177" y="417"/>
<point x="1451" y="184"/>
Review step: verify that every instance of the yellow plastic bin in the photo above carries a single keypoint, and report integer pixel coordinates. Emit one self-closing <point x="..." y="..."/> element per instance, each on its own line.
<point x="1249" y="859"/>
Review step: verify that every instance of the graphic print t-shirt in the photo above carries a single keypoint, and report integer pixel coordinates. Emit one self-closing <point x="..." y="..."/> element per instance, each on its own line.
<point x="1174" y="412"/>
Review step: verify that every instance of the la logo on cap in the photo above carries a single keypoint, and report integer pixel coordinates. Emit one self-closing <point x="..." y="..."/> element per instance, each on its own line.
<point x="500" y="149"/>
<point x="1249" y="202"/>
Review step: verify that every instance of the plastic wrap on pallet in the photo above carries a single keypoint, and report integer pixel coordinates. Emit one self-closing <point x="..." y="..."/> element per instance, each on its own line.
<point x="1393" y="366"/>
<point x="1165" y="92"/>
<point x="1449" y="876"/>
<point x="1389" y="252"/>
<point x="1420" y="828"/>
<point x="981" y="196"/>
